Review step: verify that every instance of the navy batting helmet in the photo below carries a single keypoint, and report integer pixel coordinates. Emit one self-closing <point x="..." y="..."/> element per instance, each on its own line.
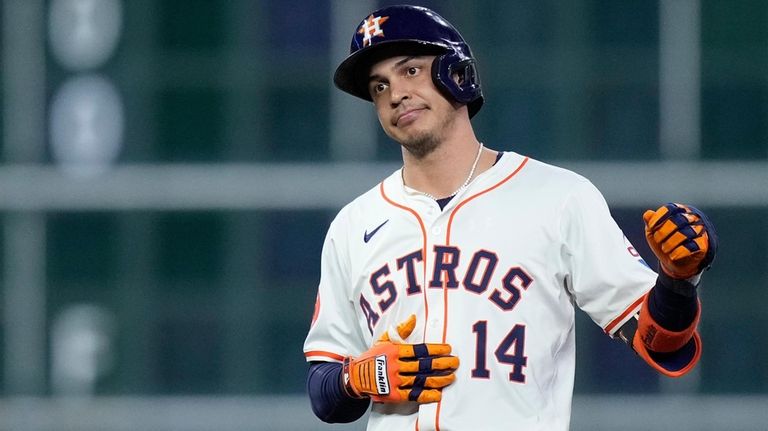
<point x="411" y="30"/>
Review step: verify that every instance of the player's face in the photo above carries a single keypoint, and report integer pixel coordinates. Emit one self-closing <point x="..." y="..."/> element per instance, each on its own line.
<point x="411" y="110"/>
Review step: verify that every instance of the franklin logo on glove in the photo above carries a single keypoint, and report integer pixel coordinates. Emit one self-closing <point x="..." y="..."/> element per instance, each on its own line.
<point x="381" y="375"/>
<point x="401" y="365"/>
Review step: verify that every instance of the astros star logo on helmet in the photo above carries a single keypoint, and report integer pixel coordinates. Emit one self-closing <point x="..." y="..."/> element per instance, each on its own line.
<point x="372" y="27"/>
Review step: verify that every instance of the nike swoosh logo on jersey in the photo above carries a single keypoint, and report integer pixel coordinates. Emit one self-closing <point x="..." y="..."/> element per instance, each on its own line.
<point x="367" y="236"/>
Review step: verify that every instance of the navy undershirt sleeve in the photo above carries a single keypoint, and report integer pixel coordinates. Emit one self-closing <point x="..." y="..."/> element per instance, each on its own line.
<point x="673" y="304"/>
<point x="329" y="402"/>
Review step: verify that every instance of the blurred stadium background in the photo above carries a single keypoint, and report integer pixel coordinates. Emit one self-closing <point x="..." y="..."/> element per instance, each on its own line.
<point x="168" y="169"/>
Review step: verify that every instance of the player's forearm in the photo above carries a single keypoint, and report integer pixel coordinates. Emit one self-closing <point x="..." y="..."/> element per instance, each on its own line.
<point x="673" y="304"/>
<point x="329" y="402"/>
<point x="664" y="334"/>
<point x="685" y="242"/>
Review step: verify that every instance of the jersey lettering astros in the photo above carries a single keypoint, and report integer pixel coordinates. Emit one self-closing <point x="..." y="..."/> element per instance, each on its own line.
<point x="496" y="274"/>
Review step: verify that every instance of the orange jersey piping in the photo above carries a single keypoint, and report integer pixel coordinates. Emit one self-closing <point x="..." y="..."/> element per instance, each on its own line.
<point x="450" y="223"/>
<point x="622" y="316"/>
<point x="330" y="355"/>
<point x="448" y="242"/>
<point x="423" y="251"/>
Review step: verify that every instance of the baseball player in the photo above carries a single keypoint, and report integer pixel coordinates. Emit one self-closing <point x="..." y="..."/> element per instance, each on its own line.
<point x="447" y="292"/>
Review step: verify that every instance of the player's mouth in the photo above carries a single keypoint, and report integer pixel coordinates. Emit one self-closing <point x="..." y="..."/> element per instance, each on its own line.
<point x="408" y="116"/>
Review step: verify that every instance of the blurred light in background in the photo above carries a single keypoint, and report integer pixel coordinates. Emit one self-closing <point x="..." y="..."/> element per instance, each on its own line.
<point x="82" y="349"/>
<point x="86" y="125"/>
<point x="83" y="34"/>
<point x="86" y="114"/>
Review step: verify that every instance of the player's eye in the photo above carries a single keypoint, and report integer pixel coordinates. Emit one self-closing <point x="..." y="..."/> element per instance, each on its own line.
<point x="378" y="88"/>
<point x="412" y="71"/>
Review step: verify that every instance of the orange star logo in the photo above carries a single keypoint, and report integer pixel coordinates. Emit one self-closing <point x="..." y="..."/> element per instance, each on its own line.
<point x="372" y="27"/>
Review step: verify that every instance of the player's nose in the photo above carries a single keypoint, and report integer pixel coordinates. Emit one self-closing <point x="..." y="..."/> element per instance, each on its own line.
<point x="398" y="92"/>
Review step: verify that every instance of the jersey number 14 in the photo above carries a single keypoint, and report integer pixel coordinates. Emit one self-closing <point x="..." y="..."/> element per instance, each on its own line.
<point x="510" y="351"/>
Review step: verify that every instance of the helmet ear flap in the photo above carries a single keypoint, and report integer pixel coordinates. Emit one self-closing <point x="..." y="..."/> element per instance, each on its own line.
<point x="457" y="76"/>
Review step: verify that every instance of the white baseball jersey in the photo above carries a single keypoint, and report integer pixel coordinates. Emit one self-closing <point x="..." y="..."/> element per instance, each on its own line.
<point x="496" y="274"/>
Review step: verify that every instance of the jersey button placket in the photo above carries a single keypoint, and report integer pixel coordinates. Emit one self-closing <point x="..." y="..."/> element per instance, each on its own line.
<point x="434" y="326"/>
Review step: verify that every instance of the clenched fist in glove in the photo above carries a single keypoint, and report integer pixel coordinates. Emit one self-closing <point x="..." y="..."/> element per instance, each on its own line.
<point x="394" y="372"/>
<point x="682" y="238"/>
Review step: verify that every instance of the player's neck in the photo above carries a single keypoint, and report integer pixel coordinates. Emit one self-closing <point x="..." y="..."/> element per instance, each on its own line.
<point x="447" y="168"/>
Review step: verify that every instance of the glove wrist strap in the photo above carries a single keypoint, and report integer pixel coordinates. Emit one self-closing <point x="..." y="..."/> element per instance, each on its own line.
<point x="656" y="338"/>
<point x="346" y="380"/>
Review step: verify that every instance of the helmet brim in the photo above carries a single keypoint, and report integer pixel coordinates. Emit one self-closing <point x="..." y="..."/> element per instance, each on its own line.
<point x="352" y="74"/>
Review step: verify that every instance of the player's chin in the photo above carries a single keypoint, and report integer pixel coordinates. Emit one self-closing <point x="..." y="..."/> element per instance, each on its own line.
<point x="417" y="130"/>
<point x="420" y="145"/>
<point x="403" y="135"/>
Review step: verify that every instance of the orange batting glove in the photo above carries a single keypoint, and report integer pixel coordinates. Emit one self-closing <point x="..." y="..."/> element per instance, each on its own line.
<point x="392" y="372"/>
<point x="682" y="238"/>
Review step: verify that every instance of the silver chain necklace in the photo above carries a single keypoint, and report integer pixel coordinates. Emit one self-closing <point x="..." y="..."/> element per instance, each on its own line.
<point x="466" y="183"/>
